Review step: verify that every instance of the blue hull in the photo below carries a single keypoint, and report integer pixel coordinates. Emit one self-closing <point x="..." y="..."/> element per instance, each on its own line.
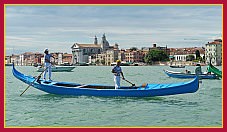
<point x="67" y="88"/>
<point x="184" y="75"/>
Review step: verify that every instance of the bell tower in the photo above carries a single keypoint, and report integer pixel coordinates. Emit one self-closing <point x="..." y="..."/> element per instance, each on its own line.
<point x="104" y="43"/>
<point x="96" y="40"/>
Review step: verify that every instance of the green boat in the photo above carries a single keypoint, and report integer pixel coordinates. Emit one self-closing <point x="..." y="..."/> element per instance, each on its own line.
<point x="214" y="70"/>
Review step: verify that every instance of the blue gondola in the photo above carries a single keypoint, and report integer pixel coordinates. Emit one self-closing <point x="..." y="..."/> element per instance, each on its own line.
<point x="149" y="90"/>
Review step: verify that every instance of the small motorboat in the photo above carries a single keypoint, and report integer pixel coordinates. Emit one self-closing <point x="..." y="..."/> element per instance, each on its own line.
<point x="189" y="75"/>
<point x="58" y="68"/>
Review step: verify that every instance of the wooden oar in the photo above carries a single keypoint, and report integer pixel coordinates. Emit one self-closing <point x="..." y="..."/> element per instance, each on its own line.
<point x="80" y="86"/>
<point x="36" y="79"/>
<point x="130" y="82"/>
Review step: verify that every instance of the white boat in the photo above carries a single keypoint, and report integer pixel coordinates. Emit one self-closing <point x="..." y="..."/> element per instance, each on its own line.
<point x="58" y="68"/>
<point x="9" y="64"/>
<point x="122" y="63"/>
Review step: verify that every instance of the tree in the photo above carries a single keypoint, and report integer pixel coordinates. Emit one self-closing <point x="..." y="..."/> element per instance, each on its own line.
<point x="197" y="53"/>
<point x="190" y="58"/>
<point x="204" y="58"/>
<point x="97" y="61"/>
<point x="155" y="55"/>
<point x="103" y="62"/>
<point x="133" y="49"/>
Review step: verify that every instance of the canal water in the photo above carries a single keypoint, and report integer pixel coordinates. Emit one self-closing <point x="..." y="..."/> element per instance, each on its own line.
<point x="36" y="108"/>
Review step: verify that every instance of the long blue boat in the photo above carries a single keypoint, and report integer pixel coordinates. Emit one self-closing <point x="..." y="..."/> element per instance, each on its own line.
<point x="67" y="88"/>
<point x="189" y="75"/>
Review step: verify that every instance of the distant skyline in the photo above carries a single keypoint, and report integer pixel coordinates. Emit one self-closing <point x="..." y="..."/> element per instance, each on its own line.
<point x="34" y="28"/>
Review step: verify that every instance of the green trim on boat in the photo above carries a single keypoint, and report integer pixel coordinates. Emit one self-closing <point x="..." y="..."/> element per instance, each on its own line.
<point x="214" y="70"/>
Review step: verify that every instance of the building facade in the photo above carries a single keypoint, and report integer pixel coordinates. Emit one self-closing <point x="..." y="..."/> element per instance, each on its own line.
<point x="165" y="49"/>
<point x="214" y="52"/>
<point x="180" y="54"/>
<point x="100" y="59"/>
<point x="81" y="52"/>
<point x="62" y="58"/>
<point x="111" y="56"/>
<point x="26" y="59"/>
<point x="133" y="56"/>
<point x="85" y="53"/>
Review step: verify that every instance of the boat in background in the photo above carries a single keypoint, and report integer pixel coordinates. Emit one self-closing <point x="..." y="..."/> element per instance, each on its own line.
<point x="82" y="64"/>
<point x="199" y="64"/>
<point x="148" y="90"/>
<point x="214" y="70"/>
<point x="8" y="64"/>
<point x="58" y="68"/>
<point x="177" y="66"/>
<point x="122" y="63"/>
<point x="189" y="75"/>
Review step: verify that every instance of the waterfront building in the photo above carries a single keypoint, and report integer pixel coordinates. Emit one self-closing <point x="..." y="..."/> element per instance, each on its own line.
<point x="155" y="47"/>
<point x="108" y="57"/>
<point x="99" y="59"/>
<point x="165" y="49"/>
<point x="15" y="59"/>
<point x="133" y="56"/>
<point x="81" y="52"/>
<point x="180" y="54"/>
<point x="66" y="58"/>
<point x="104" y="43"/>
<point x="8" y="60"/>
<point x="30" y="58"/>
<point x="121" y="55"/>
<point x="111" y="56"/>
<point x="86" y="53"/>
<point x="60" y="58"/>
<point x="214" y="52"/>
<point x="25" y="59"/>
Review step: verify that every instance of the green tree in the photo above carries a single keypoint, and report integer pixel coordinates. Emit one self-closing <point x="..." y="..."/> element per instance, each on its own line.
<point x="97" y="61"/>
<point x="103" y="62"/>
<point x="133" y="49"/>
<point x="203" y="60"/>
<point x="155" y="55"/>
<point x="190" y="58"/>
<point x="197" y="54"/>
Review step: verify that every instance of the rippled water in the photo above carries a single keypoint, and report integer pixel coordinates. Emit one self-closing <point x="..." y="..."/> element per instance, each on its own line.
<point x="36" y="108"/>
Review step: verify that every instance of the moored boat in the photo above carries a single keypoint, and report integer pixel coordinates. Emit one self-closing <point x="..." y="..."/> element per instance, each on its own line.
<point x="9" y="64"/>
<point x="122" y="64"/>
<point x="189" y="75"/>
<point x="177" y="66"/>
<point x="67" y="88"/>
<point x="58" y="68"/>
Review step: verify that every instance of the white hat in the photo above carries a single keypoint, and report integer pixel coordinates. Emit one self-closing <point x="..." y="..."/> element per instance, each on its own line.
<point x="46" y="50"/>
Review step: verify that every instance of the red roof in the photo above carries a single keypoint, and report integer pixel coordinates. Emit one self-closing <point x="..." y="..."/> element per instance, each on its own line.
<point x="182" y="51"/>
<point x="215" y="42"/>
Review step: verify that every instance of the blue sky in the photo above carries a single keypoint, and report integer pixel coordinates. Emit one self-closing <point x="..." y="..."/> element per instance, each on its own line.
<point x="33" y="28"/>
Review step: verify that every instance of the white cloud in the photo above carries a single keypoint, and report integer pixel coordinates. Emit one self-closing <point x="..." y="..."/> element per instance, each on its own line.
<point x="60" y="26"/>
